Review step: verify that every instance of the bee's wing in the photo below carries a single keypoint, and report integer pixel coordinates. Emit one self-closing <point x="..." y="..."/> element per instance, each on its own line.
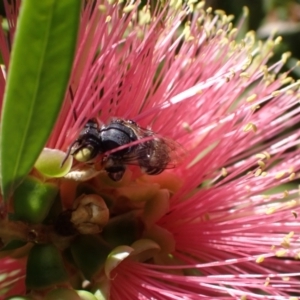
<point x="167" y="149"/>
<point x="157" y="152"/>
<point x="174" y="151"/>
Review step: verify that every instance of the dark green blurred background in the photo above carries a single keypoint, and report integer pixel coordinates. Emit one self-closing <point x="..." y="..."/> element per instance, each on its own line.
<point x="265" y="17"/>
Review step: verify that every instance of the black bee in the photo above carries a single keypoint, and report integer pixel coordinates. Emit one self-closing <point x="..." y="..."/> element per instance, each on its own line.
<point x="123" y="142"/>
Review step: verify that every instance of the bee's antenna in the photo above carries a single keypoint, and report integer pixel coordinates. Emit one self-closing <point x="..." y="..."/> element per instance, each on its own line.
<point x="68" y="153"/>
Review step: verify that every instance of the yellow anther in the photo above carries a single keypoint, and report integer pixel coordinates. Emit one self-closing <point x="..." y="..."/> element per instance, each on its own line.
<point x="267" y="281"/>
<point x="285" y="243"/>
<point x="292" y="203"/>
<point x="187" y="127"/>
<point x="267" y="154"/>
<point x="292" y="176"/>
<point x="285" y="193"/>
<point x="258" y="172"/>
<point x="278" y="40"/>
<point x="281" y="253"/>
<point x="261" y="164"/>
<point x="232" y="32"/>
<point x="255" y="107"/>
<point x="209" y="10"/>
<point x="285" y="56"/>
<point x="260" y="156"/>
<point x="280" y="174"/>
<point x="245" y="11"/>
<point x="245" y="75"/>
<point x="276" y="93"/>
<point x="250" y="127"/>
<point x="260" y="259"/>
<point x="219" y="12"/>
<point x="129" y="8"/>
<point x="287" y="80"/>
<point x="224" y="172"/>
<point x="251" y="98"/>
<point x="102" y="8"/>
<point x="270" y="210"/>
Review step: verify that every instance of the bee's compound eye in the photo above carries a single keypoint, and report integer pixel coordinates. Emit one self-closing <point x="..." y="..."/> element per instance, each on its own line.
<point x="84" y="154"/>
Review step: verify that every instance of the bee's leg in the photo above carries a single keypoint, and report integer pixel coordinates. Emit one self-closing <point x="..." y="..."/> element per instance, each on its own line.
<point x="114" y="168"/>
<point x="68" y="153"/>
<point x="116" y="173"/>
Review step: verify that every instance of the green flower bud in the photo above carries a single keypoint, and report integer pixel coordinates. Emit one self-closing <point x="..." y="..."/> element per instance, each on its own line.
<point x="62" y="294"/>
<point x="89" y="253"/>
<point x="123" y="230"/>
<point x="85" y="295"/>
<point x="19" y="298"/>
<point x="45" y="267"/>
<point x="50" y="161"/>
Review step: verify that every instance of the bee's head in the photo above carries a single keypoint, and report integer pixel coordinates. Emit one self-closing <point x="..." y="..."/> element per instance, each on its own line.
<point x="87" y="146"/>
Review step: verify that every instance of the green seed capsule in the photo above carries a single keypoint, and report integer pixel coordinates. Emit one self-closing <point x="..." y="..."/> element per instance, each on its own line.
<point x="33" y="199"/>
<point x="50" y="164"/>
<point x="45" y="267"/>
<point x="62" y="294"/>
<point x="19" y="298"/>
<point x="85" y="295"/>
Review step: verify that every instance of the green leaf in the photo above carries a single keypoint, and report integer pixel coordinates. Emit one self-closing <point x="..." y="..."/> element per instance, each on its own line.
<point x="33" y="200"/>
<point x="38" y="75"/>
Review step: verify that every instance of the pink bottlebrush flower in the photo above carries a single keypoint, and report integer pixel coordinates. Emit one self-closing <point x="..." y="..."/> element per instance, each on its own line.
<point x="223" y="223"/>
<point x="12" y="275"/>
